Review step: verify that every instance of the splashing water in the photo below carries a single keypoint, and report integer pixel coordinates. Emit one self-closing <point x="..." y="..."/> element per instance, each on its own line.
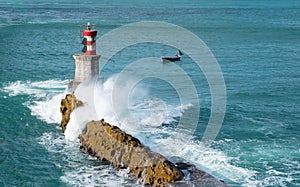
<point x="44" y="103"/>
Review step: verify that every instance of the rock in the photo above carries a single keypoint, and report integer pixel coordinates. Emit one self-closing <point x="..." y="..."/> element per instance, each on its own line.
<point x="110" y="143"/>
<point x="67" y="105"/>
<point x="194" y="176"/>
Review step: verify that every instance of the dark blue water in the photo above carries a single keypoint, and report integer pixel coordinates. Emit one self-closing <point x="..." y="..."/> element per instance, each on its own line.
<point x="256" y="44"/>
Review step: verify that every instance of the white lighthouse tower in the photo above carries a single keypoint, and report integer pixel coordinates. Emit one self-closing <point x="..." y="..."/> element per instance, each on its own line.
<point x="86" y="64"/>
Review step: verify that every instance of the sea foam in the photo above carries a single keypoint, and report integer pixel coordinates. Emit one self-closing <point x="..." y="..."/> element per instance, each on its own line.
<point x="44" y="103"/>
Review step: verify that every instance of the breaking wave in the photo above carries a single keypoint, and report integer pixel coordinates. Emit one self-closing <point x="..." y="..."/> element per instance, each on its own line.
<point x="44" y="97"/>
<point x="44" y="101"/>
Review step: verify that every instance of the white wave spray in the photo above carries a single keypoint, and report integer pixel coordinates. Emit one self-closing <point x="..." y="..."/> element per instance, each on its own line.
<point x="45" y="97"/>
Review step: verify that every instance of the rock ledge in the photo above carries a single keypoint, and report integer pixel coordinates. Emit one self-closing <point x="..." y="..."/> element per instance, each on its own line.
<point x="110" y="143"/>
<point x="67" y="105"/>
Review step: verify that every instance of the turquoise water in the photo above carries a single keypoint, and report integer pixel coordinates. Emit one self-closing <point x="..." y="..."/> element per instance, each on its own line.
<point x="256" y="43"/>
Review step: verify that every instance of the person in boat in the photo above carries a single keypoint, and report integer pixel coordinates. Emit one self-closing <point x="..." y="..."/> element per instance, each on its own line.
<point x="179" y="53"/>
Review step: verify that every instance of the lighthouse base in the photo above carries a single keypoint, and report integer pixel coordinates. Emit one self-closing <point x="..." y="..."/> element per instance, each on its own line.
<point x="87" y="67"/>
<point x="72" y="85"/>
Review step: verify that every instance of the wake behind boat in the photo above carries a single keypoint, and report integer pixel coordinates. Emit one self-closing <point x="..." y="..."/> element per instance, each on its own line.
<point x="173" y="58"/>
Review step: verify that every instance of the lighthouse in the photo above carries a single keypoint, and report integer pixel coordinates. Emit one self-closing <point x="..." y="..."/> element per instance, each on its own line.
<point x="86" y="64"/>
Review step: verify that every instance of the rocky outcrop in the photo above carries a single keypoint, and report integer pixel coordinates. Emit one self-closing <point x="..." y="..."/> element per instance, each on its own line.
<point x="110" y="143"/>
<point x="67" y="105"/>
<point x="193" y="176"/>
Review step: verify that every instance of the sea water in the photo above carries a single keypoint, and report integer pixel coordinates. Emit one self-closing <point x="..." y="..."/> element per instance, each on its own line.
<point x="256" y="44"/>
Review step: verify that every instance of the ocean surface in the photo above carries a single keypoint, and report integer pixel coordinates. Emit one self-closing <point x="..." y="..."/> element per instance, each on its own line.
<point x="256" y="44"/>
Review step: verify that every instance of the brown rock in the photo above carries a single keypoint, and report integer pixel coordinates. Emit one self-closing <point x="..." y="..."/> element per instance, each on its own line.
<point x="110" y="143"/>
<point x="194" y="176"/>
<point x="67" y="105"/>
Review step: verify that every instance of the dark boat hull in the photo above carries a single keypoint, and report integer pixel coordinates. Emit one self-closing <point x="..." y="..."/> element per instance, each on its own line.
<point x="170" y="59"/>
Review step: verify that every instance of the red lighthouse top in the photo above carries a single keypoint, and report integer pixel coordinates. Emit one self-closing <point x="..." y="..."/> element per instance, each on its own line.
<point x="89" y="41"/>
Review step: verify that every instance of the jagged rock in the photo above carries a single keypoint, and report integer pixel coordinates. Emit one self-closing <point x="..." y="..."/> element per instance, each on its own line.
<point x="110" y="143"/>
<point x="67" y="105"/>
<point x="194" y="176"/>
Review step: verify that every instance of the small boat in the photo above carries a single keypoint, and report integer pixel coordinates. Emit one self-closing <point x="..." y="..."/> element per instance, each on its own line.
<point x="173" y="58"/>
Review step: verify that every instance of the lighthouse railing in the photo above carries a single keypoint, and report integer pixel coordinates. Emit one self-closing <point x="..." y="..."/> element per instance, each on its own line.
<point x="84" y="27"/>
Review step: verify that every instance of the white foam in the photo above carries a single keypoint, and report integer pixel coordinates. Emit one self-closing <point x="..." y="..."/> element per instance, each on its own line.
<point x="270" y="181"/>
<point x="173" y="143"/>
<point x="45" y="97"/>
<point x="150" y="112"/>
<point x="38" y="89"/>
<point x="97" y="175"/>
<point x="85" y="92"/>
<point x="216" y="161"/>
<point x="47" y="110"/>
<point x="78" y="120"/>
<point x="79" y="169"/>
<point x="98" y="104"/>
